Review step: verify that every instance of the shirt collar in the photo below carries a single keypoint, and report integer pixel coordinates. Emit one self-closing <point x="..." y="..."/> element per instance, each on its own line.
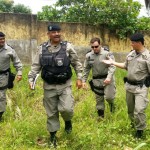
<point x="5" y="47"/>
<point x="100" y="53"/>
<point x="50" y="45"/>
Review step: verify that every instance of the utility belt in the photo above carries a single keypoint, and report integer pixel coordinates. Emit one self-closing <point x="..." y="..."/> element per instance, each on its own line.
<point x="55" y="79"/>
<point x="100" y="76"/>
<point x="97" y="90"/>
<point x="11" y="78"/>
<point x="138" y="83"/>
<point x="3" y="72"/>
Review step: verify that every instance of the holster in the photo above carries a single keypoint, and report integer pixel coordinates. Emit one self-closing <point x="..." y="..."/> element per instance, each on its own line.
<point x="95" y="89"/>
<point x="147" y="81"/>
<point x="91" y="85"/>
<point x="11" y="79"/>
<point x="125" y="79"/>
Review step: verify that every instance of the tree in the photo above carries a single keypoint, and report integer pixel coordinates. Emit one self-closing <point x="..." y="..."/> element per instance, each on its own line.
<point x="49" y="13"/>
<point x="8" y="6"/>
<point x="120" y="16"/>
<point x="20" y="8"/>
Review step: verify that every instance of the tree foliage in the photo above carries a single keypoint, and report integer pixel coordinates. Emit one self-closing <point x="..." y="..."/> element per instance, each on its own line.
<point x="118" y="15"/>
<point x="20" y="8"/>
<point x="8" y="6"/>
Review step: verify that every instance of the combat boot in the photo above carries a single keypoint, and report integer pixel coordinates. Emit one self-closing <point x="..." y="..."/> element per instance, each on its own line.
<point x="1" y="114"/>
<point x="112" y="107"/>
<point x="100" y="113"/>
<point x="68" y="126"/>
<point x="139" y="134"/>
<point x="53" y="141"/>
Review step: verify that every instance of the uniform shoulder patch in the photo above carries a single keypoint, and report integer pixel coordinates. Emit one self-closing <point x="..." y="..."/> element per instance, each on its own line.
<point x="88" y="51"/>
<point x="10" y="46"/>
<point x="44" y="43"/>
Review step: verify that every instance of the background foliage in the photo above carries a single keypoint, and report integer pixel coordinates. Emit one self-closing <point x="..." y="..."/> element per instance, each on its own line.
<point x="120" y="16"/>
<point x="8" y="6"/>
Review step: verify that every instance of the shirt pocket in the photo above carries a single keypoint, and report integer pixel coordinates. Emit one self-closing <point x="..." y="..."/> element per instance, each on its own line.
<point x="142" y="65"/>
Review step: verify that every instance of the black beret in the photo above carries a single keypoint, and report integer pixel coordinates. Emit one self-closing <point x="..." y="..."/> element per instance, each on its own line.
<point x="54" y="27"/>
<point x="2" y="34"/>
<point x="137" y="37"/>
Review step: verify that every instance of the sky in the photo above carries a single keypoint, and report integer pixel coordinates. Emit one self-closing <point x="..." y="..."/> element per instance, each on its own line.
<point x="36" y="5"/>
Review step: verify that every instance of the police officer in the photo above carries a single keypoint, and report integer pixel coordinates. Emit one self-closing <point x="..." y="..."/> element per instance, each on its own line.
<point x="54" y="58"/>
<point x="103" y="83"/>
<point x="138" y="66"/>
<point x="7" y="54"/>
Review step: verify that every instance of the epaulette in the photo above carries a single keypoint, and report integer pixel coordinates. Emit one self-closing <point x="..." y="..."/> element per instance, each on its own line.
<point x="10" y="46"/>
<point x="106" y="49"/>
<point x="88" y="51"/>
<point x="44" y="43"/>
<point x="63" y="44"/>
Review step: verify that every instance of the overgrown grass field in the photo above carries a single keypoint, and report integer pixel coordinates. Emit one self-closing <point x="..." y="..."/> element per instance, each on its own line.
<point x="24" y="123"/>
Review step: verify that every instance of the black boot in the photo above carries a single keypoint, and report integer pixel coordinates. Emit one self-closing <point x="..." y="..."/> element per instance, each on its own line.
<point x="112" y="107"/>
<point x="1" y="114"/>
<point x="68" y="126"/>
<point x="100" y="113"/>
<point x="139" y="134"/>
<point x="53" y="138"/>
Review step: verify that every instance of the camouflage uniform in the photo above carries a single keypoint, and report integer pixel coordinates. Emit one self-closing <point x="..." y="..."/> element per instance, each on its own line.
<point x="7" y="54"/>
<point x="94" y="61"/>
<point x="57" y="97"/>
<point x="138" y="67"/>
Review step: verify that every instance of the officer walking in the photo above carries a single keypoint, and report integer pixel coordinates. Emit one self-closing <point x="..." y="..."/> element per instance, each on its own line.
<point x="7" y="54"/>
<point x="103" y="83"/>
<point x="138" y="66"/>
<point x="54" y="59"/>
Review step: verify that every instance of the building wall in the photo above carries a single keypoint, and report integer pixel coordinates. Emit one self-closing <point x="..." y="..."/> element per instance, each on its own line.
<point x="24" y="32"/>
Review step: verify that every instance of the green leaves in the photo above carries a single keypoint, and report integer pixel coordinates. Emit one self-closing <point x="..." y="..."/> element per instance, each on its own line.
<point x="8" y="6"/>
<point x="119" y="16"/>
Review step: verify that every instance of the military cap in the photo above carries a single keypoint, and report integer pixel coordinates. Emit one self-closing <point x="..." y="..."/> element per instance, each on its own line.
<point x="137" y="37"/>
<point x="2" y="34"/>
<point x="54" y="27"/>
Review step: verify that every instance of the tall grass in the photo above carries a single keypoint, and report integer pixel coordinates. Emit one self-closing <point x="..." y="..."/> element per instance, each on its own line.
<point x="24" y="122"/>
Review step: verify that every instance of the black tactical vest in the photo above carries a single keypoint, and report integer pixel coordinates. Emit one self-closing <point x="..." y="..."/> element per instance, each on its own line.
<point x="55" y="66"/>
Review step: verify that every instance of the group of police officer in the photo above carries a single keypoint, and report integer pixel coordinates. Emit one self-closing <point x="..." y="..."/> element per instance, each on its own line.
<point x="54" y="59"/>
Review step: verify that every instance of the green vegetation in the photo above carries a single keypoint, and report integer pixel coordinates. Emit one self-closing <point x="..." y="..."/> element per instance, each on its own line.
<point x="8" y="6"/>
<point x="119" y="16"/>
<point x="24" y="123"/>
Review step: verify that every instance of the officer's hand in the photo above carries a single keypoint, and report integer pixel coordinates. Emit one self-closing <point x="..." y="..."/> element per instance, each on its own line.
<point x="107" y="81"/>
<point x="84" y="85"/>
<point x="79" y="83"/>
<point x="30" y="85"/>
<point x="109" y="61"/>
<point x="19" y="77"/>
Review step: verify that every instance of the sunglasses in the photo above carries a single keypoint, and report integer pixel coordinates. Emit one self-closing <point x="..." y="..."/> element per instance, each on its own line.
<point x="94" y="46"/>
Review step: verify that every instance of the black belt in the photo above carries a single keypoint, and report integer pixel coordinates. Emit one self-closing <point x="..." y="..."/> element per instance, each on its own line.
<point x="141" y="82"/>
<point x="2" y="72"/>
<point x="100" y="76"/>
